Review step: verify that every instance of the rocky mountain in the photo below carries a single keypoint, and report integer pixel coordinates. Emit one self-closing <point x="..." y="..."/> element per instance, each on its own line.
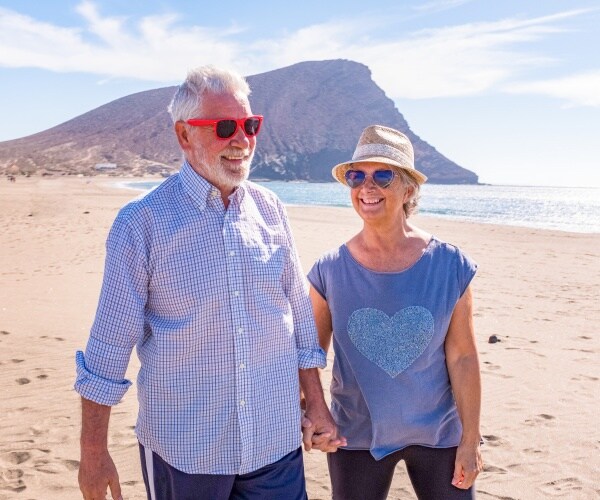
<point x="314" y="113"/>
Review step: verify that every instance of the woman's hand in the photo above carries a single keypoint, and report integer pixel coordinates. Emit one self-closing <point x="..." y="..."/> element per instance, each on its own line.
<point x="467" y="466"/>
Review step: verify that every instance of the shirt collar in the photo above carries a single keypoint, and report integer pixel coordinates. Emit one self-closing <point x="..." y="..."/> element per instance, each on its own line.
<point x="201" y="191"/>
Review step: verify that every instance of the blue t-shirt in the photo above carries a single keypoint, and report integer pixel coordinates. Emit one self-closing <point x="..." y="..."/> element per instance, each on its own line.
<point x="390" y="386"/>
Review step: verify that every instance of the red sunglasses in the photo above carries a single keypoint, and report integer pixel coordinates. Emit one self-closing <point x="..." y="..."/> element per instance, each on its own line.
<point x="225" y="128"/>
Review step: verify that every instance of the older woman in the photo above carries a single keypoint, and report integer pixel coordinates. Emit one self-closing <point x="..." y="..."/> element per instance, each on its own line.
<point x="398" y="304"/>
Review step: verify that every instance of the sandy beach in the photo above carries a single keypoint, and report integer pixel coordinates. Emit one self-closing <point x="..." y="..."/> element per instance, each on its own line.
<point x="537" y="291"/>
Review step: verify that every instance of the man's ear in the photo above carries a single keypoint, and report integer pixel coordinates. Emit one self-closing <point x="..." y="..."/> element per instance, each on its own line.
<point x="182" y="133"/>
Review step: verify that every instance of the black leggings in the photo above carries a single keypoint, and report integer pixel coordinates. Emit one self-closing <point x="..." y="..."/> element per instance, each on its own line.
<point x="356" y="475"/>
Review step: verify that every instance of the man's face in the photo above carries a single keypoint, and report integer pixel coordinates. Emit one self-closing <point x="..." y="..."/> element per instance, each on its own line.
<point x="225" y="163"/>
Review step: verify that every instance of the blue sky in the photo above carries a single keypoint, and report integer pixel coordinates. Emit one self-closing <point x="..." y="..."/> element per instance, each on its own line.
<point x="510" y="90"/>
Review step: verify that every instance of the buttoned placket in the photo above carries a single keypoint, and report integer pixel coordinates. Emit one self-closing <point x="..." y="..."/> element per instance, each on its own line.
<point x="234" y="253"/>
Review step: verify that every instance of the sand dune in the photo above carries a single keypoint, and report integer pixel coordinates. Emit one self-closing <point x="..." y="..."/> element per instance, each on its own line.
<point x="537" y="291"/>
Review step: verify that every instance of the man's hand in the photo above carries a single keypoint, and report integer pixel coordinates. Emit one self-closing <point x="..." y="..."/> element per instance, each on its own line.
<point x="97" y="472"/>
<point x="321" y="436"/>
<point x="318" y="428"/>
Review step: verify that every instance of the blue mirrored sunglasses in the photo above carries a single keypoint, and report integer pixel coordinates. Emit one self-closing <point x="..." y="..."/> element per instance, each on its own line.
<point x="356" y="178"/>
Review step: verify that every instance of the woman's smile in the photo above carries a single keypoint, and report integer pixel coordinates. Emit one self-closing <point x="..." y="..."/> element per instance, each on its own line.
<point x="370" y="200"/>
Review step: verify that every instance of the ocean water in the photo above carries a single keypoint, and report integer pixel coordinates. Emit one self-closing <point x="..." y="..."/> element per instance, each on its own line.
<point x="558" y="208"/>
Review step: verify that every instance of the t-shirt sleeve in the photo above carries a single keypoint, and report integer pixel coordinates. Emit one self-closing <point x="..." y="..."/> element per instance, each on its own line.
<point x="315" y="278"/>
<point x="466" y="270"/>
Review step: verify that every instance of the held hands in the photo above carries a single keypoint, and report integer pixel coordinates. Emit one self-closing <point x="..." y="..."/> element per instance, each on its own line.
<point x="320" y="432"/>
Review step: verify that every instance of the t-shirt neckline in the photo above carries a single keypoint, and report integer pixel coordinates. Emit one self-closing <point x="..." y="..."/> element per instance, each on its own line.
<point x="426" y="250"/>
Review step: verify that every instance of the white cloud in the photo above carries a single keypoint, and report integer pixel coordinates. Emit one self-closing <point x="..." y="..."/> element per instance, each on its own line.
<point x="451" y="61"/>
<point x="577" y="90"/>
<point x="155" y="49"/>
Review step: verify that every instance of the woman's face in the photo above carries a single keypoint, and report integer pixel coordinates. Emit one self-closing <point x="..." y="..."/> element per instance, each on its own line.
<point x="376" y="204"/>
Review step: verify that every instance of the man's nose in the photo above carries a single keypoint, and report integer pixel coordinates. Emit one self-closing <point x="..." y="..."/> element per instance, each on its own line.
<point x="240" y="137"/>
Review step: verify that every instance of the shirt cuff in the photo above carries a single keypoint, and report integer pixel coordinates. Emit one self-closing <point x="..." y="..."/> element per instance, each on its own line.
<point x="311" y="358"/>
<point x="98" y="389"/>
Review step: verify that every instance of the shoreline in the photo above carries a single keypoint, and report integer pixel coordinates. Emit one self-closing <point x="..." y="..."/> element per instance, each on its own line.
<point x="577" y="227"/>
<point x="536" y="290"/>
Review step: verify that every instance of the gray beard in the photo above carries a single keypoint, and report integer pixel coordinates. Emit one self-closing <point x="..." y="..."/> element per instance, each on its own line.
<point x="220" y="176"/>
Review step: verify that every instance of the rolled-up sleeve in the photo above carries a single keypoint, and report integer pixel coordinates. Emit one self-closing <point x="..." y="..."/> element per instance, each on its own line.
<point x="119" y="321"/>
<point x="310" y="354"/>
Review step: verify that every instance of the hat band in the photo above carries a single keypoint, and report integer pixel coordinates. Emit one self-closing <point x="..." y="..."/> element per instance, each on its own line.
<point x="390" y="152"/>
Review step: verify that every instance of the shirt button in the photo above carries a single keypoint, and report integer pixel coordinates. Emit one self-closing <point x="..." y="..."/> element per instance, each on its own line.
<point x="236" y="293"/>
<point x="242" y="365"/>
<point x="231" y="253"/>
<point x="240" y="330"/>
<point x="242" y="403"/>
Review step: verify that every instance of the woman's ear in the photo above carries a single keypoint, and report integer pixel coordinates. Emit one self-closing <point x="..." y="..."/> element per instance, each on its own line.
<point x="409" y="193"/>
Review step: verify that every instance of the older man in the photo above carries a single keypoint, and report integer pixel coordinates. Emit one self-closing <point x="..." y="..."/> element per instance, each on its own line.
<point x="202" y="275"/>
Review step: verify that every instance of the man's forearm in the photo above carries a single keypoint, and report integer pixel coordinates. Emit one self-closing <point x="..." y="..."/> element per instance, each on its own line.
<point x="97" y="471"/>
<point x="94" y="425"/>
<point x="312" y="389"/>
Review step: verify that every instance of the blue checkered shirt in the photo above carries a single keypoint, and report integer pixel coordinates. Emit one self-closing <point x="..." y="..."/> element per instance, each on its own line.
<point x="217" y="304"/>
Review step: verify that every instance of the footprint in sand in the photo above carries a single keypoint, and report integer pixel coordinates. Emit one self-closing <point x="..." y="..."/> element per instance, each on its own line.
<point x="494" y="469"/>
<point x="17" y="360"/>
<point x="491" y="366"/>
<point x="532" y="451"/>
<point x="71" y="464"/>
<point x="586" y="351"/>
<point x="4" y="332"/>
<point x="42" y="373"/>
<point x="47" y="467"/>
<point x="491" y="440"/>
<point x="11" y="480"/>
<point x="55" y="466"/>
<point x="491" y="369"/>
<point x="562" y="485"/>
<point x="16" y="457"/>
<point x="530" y="351"/>
<point x="545" y="416"/>
<point x="539" y="418"/>
<point x="23" y="381"/>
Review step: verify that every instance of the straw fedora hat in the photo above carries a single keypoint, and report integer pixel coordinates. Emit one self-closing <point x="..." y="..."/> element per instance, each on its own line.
<point x="379" y="144"/>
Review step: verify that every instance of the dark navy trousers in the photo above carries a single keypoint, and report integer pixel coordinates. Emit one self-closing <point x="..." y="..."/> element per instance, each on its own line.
<point x="282" y="480"/>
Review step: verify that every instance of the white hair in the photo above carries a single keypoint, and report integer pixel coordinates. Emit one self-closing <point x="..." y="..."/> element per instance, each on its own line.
<point x="188" y="99"/>
<point x="412" y="205"/>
